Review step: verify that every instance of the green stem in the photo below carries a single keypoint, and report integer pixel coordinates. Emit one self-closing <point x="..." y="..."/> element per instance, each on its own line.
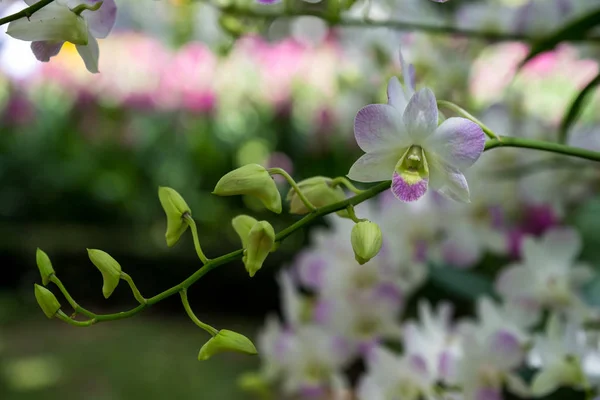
<point x="500" y="141"/>
<point x="190" y="313"/>
<point x="352" y="214"/>
<point x="76" y="307"/>
<point x="84" y="7"/>
<point x="467" y="115"/>
<point x="26" y="12"/>
<point x="267" y="14"/>
<point x="194" y="230"/>
<point x="136" y="293"/>
<point x="63" y="317"/>
<point x="341" y="180"/>
<point x="294" y="185"/>
<point x="508" y="141"/>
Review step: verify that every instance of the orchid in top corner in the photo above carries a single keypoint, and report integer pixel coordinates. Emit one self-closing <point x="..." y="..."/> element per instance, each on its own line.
<point x="80" y="22"/>
<point x="403" y="141"/>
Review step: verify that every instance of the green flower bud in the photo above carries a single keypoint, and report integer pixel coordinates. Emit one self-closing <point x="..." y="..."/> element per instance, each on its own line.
<point x="318" y="190"/>
<point x="366" y="241"/>
<point x="253" y="180"/>
<point x="44" y="265"/>
<point x="175" y="208"/>
<point x="254" y="382"/>
<point x="242" y="225"/>
<point x="261" y="239"/>
<point x="109" y="268"/>
<point x="226" y="340"/>
<point x="46" y="300"/>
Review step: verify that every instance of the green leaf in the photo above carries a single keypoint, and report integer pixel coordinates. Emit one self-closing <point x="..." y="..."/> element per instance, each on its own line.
<point x="575" y="108"/>
<point x="468" y="285"/>
<point x="575" y="30"/>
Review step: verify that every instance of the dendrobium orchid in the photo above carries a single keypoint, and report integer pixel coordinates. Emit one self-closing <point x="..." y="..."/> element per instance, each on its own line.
<point x="402" y="140"/>
<point x="80" y="22"/>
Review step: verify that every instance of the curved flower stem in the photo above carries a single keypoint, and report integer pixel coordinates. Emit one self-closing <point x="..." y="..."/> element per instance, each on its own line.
<point x="294" y="185"/>
<point x="508" y="141"/>
<point x="500" y="141"/>
<point x="190" y="313"/>
<point x="335" y="19"/>
<point x="136" y="293"/>
<point x="194" y="230"/>
<point x="459" y="110"/>
<point x="76" y="307"/>
<point x="26" y="12"/>
<point x="341" y="180"/>
<point x="352" y="214"/>
<point x="82" y="324"/>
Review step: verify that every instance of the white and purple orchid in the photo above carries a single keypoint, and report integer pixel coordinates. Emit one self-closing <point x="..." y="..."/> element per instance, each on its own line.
<point x="80" y="22"/>
<point x="402" y="140"/>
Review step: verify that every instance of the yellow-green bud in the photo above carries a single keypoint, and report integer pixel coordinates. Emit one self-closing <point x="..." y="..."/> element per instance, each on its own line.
<point x="366" y="241"/>
<point x="318" y="190"/>
<point x="252" y="180"/>
<point x="261" y="239"/>
<point x="109" y="268"/>
<point x="175" y="208"/>
<point x="254" y="382"/>
<point x="44" y="265"/>
<point x="242" y="225"/>
<point x="226" y="340"/>
<point x="46" y="300"/>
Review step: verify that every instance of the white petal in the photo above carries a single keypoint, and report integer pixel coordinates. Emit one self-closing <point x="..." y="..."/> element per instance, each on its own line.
<point x="90" y="54"/>
<point x="380" y="127"/>
<point x="101" y="21"/>
<point x="457" y="141"/>
<point x="54" y="22"/>
<point x="562" y="244"/>
<point x="514" y="281"/>
<point x="396" y="96"/>
<point x="374" y="167"/>
<point x="447" y="180"/>
<point x="421" y="115"/>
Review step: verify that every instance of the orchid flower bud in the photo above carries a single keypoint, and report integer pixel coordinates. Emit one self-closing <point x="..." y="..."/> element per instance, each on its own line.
<point x="261" y="239"/>
<point x="242" y="225"/>
<point x="175" y="208"/>
<point x="226" y="340"/>
<point x="366" y="241"/>
<point x="44" y="265"/>
<point x="252" y="180"/>
<point x="318" y="190"/>
<point x="46" y="300"/>
<point x="109" y="268"/>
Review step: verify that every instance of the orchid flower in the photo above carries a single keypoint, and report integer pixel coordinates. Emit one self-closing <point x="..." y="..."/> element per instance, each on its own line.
<point x="77" y="21"/>
<point x="402" y="140"/>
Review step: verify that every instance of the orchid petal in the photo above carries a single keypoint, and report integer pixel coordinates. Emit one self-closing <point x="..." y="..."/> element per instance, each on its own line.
<point x="374" y="167"/>
<point x="506" y="350"/>
<point x="55" y="23"/>
<point x="562" y="244"/>
<point x="101" y="21"/>
<point x="396" y="96"/>
<point x="44" y="50"/>
<point x="448" y="181"/>
<point x="458" y="142"/>
<point x="421" y="115"/>
<point x="514" y="281"/>
<point x="408" y="190"/>
<point x="90" y="54"/>
<point x="408" y="73"/>
<point x="379" y="127"/>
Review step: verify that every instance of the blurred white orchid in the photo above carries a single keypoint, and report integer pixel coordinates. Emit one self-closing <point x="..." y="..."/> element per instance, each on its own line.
<point x="77" y="21"/>
<point x="548" y="275"/>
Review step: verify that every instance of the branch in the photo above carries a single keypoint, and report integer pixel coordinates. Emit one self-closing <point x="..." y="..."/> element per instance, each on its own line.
<point x="26" y="12"/>
<point x="500" y="141"/>
<point x="335" y="19"/>
<point x="507" y="141"/>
